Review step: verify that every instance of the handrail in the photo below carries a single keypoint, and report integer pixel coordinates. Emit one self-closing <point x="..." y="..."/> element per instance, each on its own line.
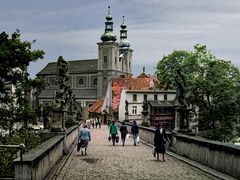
<point x="20" y="146"/>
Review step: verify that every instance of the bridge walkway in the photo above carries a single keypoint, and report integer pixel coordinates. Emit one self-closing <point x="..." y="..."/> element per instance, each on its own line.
<point x="105" y="161"/>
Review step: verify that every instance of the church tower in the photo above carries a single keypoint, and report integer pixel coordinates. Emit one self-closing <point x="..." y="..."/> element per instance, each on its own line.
<point x="124" y="50"/>
<point x="108" y="57"/>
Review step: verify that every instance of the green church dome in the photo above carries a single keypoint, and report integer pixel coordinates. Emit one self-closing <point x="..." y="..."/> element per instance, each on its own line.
<point x="108" y="35"/>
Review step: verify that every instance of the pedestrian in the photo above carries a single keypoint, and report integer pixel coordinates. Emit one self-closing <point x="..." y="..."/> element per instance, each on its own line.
<point x="160" y="139"/>
<point x="84" y="138"/>
<point x="93" y="123"/>
<point x="113" y="132"/>
<point x="134" y="132"/>
<point x="96" y="122"/>
<point x="99" y="123"/>
<point x="124" y="132"/>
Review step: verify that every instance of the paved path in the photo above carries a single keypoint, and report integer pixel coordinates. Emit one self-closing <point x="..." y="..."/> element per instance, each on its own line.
<point x="108" y="162"/>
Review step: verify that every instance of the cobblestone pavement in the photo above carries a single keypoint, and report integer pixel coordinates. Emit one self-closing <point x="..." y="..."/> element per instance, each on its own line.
<point x="105" y="161"/>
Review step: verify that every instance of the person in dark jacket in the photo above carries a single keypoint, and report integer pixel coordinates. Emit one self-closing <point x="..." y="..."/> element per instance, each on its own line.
<point x="124" y="131"/>
<point x="134" y="132"/>
<point x="160" y="139"/>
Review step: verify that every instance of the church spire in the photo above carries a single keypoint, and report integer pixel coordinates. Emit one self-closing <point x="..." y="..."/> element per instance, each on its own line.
<point x="124" y="43"/>
<point x="108" y="35"/>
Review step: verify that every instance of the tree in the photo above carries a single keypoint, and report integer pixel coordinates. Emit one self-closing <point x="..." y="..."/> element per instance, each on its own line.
<point x="211" y="83"/>
<point x="15" y="56"/>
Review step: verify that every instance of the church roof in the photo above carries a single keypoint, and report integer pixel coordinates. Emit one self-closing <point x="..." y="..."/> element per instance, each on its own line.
<point x="76" y="66"/>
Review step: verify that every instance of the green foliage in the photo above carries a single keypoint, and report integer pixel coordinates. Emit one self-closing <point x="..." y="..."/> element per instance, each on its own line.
<point x="167" y="67"/>
<point x="7" y="155"/>
<point x="15" y="56"/>
<point x="218" y="134"/>
<point x="15" y="86"/>
<point x="212" y="84"/>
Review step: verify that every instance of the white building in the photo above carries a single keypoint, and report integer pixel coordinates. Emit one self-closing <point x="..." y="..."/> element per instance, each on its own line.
<point x="135" y="100"/>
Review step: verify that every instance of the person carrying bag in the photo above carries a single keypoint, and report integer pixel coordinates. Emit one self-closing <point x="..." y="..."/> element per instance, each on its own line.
<point x="113" y="132"/>
<point x="83" y="139"/>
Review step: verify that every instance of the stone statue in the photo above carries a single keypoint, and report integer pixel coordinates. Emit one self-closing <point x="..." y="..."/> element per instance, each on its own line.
<point x="145" y="106"/>
<point x="181" y="90"/>
<point x="126" y="107"/>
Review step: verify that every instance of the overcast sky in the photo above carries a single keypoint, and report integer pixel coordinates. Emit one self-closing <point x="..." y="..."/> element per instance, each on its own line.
<point x="72" y="28"/>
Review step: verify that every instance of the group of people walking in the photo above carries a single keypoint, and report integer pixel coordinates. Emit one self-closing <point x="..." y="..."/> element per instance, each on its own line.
<point x="160" y="137"/>
<point x="113" y="133"/>
<point x="94" y="123"/>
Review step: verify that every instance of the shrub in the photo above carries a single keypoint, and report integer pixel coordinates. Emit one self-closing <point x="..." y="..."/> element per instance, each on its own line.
<point x="7" y="155"/>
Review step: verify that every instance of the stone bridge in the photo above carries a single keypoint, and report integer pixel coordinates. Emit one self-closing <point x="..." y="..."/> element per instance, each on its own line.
<point x="105" y="161"/>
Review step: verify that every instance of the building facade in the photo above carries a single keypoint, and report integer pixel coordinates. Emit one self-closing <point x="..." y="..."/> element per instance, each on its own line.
<point x="89" y="78"/>
<point x="161" y="105"/>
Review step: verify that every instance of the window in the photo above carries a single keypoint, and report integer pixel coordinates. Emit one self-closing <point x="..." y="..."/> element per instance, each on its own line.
<point x="81" y="81"/>
<point x="145" y="97"/>
<point x="134" y="97"/>
<point x="105" y="59"/>
<point x="134" y="110"/>
<point x="165" y="97"/>
<point x="155" y="97"/>
<point x="95" y="81"/>
<point x="115" y="60"/>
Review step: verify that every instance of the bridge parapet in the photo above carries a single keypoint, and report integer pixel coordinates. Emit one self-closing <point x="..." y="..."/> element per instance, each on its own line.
<point x="220" y="156"/>
<point x="37" y="163"/>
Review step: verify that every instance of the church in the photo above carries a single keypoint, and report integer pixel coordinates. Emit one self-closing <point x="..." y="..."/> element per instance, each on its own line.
<point x="89" y="78"/>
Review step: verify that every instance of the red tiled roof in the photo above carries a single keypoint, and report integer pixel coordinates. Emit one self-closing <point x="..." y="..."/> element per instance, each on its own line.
<point x="127" y="83"/>
<point x="97" y="106"/>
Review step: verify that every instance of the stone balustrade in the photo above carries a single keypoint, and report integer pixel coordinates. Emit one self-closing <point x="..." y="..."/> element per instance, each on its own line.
<point x="38" y="162"/>
<point x="220" y="156"/>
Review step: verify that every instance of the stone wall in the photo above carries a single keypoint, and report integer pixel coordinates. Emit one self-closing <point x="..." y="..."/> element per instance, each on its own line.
<point x="222" y="157"/>
<point x="37" y="163"/>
